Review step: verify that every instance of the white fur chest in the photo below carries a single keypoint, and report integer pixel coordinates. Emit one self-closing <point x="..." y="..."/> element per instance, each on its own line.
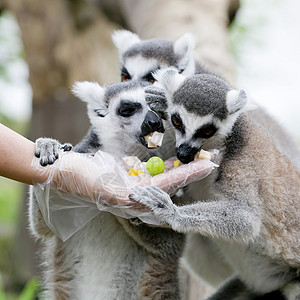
<point x="101" y="257"/>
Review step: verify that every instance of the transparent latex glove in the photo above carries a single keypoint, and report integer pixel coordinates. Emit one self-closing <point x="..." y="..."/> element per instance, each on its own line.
<point x="79" y="185"/>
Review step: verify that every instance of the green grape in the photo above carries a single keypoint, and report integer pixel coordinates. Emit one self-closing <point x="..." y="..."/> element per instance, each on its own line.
<point x="155" y="165"/>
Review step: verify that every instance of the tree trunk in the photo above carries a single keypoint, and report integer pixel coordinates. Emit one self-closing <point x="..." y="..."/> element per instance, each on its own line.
<point x="69" y="40"/>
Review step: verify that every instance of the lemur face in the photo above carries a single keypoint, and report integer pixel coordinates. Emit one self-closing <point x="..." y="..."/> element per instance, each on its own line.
<point x="141" y="58"/>
<point x="119" y="111"/>
<point x="202" y="109"/>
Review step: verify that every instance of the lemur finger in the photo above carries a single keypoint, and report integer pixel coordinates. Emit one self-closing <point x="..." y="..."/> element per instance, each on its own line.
<point x="37" y="153"/>
<point x="156" y="95"/>
<point x="150" y="197"/>
<point x="142" y="196"/>
<point x="66" y="147"/>
<point x="157" y="105"/>
<point x="136" y="197"/>
<point x="143" y="191"/>
<point x="157" y="192"/>
<point x="44" y="161"/>
<point x="38" y="146"/>
<point x="49" y="155"/>
<point x="155" y="91"/>
<point x="162" y="199"/>
<point x="55" y="149"/>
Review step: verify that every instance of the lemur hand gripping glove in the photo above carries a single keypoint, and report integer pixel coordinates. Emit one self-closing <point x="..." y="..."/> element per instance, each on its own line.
<point x="79" y="185"/>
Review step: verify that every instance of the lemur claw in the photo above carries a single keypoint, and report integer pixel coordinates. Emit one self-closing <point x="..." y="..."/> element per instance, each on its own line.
<point x="66" y="147"/>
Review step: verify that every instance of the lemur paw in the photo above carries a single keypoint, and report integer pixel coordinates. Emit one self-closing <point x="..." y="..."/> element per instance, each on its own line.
<point x="157" y="201"/>
<point x="157" y="101"/>
<point x="47" y="150"/>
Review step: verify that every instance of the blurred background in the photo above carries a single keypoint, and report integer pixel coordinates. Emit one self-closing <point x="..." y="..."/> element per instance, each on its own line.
<point x="45" y="47"/>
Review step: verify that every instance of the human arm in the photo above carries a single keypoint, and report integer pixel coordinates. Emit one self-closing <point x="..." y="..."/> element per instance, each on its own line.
<point x="99" y="178"/>
<point x="16" y="154"/>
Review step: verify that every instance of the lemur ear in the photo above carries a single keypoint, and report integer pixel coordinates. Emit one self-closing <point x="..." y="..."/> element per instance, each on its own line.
<point x="93" y="94"/>
<point x="183" y="48"/>
<point x="124" y="39"/>
<point x="169" y="79"/>
<point x="236" y="100"/>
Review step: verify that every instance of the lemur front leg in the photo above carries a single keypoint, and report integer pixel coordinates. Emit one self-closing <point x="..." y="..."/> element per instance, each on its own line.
<point x="223" y="219"/>
<point x="47" y="149"/>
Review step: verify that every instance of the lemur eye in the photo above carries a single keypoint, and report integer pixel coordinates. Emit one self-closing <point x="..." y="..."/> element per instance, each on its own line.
<point x="176" y="120"/>
<point x="125" y="76"/>
<point x="128" y="108"/>
<point x="125" y="112"/>
<point x="205" y="131"/>
<point x="149" y="77"/>
<point x="177" y="123"/>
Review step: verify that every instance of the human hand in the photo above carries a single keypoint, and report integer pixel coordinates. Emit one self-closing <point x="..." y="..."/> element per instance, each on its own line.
<point x="103" y="180"/>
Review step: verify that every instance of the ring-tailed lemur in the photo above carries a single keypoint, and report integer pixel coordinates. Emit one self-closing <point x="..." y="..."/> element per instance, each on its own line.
<point x="110" y="258"/>
<point x="249" y="206"/>
<point x="139" y="58"/>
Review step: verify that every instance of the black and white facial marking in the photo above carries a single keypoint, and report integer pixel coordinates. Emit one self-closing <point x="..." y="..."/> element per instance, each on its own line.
<point x="119" y="112"/>
<point x="202" y="109"/>
<point x="141" y="58"/>
<point x="192" y="132"/>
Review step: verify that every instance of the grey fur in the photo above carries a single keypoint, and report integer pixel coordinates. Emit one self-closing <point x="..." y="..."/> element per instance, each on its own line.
<point x="234" y="143"/>
<point x="48" y="152"/>
<point x="125" y="40"/>
<point x="157" y="101"/>
<point x="161" y="50"/>
<point x="165" y="53"/>
<point x="113" y="90"/>
<point x="90" y="143"/>
<point x="249" y="207"/>
<point x="203" y="94"/>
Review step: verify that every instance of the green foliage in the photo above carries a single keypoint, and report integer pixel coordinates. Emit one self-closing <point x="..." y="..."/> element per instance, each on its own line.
<point x="2" y="295"/>
<point x="10" y="199"/>
<point x="29" y="292"/>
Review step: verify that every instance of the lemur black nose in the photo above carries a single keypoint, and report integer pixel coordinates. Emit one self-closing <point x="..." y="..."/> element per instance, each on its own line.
<point x="186" y="153"/>
<point x="152" y="123"/>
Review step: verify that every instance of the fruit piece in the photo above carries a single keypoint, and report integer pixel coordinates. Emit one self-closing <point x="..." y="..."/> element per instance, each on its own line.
<point x="203" y="155"/>
<point x="155" y="165"/>
<point x="157" y="138"/>
<point x="133" y="172"/>
<point x="150" y="144"/>
<point x="154" y="139"/>
<point x="130" y="162"/>
<point x="176" y="163"/>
